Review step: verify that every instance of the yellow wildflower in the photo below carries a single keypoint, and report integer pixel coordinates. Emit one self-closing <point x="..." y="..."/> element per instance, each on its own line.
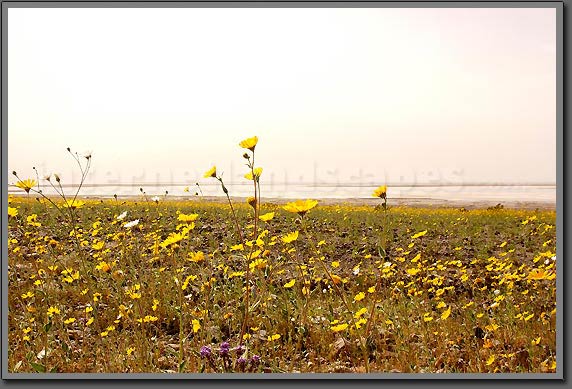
<point x="267" y="216"/>
<point x="187" y="218"/>
<point x="273" y="337"/>
<point x="419" y="234"/>
<point x="251" y="201"/>
<point x="290" y="283"/>
<point x="380" y="192"/>
<point x="249" y="143"/>
<point x="26" y="185"/>
<point x="211" y="172"/>
<point x="291" y="237"/>
<point x="197" y="256"/>
<point x="300" y="206"/>
<point x="257" y="174"/>
<point x="53" y="310"/>
<point x="339" y="327"/>
<point x="446" y="313"/>
<point x="73" y="204"/>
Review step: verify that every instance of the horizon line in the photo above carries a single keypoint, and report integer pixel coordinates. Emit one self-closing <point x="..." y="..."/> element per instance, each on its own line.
<point x="309" y="184"/>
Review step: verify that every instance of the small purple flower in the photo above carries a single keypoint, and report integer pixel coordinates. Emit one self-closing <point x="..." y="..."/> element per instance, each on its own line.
<point x="224" y="348"/>
<point x="206" y="352"/>
<point x="239" y="349"/>
<point x="255" y="360"/>
<point x="241" y="361"/>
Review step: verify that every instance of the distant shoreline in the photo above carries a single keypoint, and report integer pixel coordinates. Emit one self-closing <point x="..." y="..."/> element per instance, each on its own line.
<point x="415" y="202"/>
<point x="310" y="184"/>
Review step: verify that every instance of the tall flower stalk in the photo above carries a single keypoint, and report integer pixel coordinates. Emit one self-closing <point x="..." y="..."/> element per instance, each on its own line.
<point x="254" y="175"/>
<point x="380" y="192"/>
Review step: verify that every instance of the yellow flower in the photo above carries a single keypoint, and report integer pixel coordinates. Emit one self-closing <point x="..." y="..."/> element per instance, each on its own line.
<point x="490" y="360"/>
<point x="446" y="313"/>
<point x="74" y="204"/>
<point x="146" y="319"/>
<point x="360" y="313"/>
<point x="173" y="238"/>
<point x="187" y="218"/>
<point x="12" y="211"/>
<point x="291" y="237"/>
<point x="380" y="192"/>
<point x="267" y="216"/>
<point x="300" y="206"/>
<point x="254" y="254"/>
<point x="103" y="266"/>
<point x="360" y="296"/>
<point x="32" y="220"/>
<point x="413" y="271"/>
<point x="339" y="327"/>
<point x="251" y="201"/>
<point x="273" y="337"/>
<point x="197" y="257"/>
<point x="419" y="234"/>
<point x="26" y="184"/>
<point x="237" y="247"/>
<point x="98" y="245"/>
<point x="69" y="321"/>
<point x="211" y="172"/>
<point x="527" y="318"/>
<point x="360" y="322"/>
<point x="537" y="274"/>
<point x="257" y="174"/>
<point x="290" y="284"/>
<point x="259" y="263"/>
<point x="249" y="143"/>
<point x="52" y="310"/>
<point x="196" y="325"/>
<point x="336" y="279"/>
<point x="186" y="283"/>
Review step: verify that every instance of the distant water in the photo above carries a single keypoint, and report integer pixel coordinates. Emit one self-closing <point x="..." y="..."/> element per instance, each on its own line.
<point x="500" y="193"/>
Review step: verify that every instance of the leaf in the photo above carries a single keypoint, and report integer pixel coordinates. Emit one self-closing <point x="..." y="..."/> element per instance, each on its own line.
<point x="54" y="369"/>
<point x="47" y="326"/>
<point x="182" y="366"/>
<point x="38" y="367"/>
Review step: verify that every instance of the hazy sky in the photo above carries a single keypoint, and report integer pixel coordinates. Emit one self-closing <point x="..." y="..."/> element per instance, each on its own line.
<point x="333" y="94"/>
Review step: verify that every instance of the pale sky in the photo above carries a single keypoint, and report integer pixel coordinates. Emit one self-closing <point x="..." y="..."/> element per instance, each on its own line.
<point x="392" y="95"/>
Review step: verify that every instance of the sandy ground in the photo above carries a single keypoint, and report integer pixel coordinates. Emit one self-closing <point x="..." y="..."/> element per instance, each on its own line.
<point x="408" y="202"/>
<point x="419" y="202"/>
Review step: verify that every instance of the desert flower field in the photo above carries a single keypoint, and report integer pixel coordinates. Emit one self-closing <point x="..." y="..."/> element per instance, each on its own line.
<point x="167" y="285"/>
